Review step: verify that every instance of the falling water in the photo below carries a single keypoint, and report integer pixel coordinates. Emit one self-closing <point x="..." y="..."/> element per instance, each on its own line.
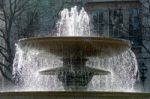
<point x="29" y="60"/>
<point x="124" y="72"/>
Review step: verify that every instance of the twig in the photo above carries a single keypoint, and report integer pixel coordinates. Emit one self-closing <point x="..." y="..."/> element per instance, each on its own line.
<point x="148" y="51"/>
<point x="5" y="66"/>
<point x="4" y="56"/>
<point x="4" y="74"/>
<point x="1" y="47"/>
<point x="2" y="19"/>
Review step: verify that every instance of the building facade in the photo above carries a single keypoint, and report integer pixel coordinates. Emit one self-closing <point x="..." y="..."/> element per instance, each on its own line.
<point x="126" y="19"/>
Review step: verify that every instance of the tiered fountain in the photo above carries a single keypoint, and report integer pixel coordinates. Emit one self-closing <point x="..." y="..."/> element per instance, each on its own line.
<point x="74" y="62"/>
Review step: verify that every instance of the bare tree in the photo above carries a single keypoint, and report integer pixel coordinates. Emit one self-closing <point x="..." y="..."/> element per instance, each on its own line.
<point x="28" y="22"/>
<point x="10" y="9"/>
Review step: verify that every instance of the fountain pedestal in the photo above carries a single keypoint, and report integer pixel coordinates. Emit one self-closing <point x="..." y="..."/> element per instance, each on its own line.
<point x="74" y="74"/>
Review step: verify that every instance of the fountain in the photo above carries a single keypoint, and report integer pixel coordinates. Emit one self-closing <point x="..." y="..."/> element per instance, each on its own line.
<point x="74" y="51"/>
<point x="74" y="62"/>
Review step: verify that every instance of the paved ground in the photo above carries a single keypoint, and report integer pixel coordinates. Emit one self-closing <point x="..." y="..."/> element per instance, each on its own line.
<point x="73" y="95"/>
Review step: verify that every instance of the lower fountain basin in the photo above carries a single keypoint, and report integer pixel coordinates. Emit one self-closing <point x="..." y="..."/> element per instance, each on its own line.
<point x="71" y="95"/>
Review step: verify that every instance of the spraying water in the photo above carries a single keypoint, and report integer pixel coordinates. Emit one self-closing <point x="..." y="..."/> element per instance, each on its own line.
<point x="73" y="23"/>
<point x="29" y="60"/>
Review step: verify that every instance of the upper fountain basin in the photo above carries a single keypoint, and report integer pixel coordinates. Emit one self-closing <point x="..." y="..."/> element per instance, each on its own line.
<point x="77" y="46"/>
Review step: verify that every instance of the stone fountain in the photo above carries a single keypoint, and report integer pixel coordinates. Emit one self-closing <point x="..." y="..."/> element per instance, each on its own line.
<point x="74" y="74"/>
<point x="60" y="66"/>
<point x="73" y="47"/>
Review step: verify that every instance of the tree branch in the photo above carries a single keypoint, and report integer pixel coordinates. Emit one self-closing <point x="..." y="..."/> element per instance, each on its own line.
<point x="4" y="74"/>
<point x="3" y="9"/>
<point x="5" y="66"/>
<point x="1" y="30"/>
<point x="148" y="51"/>
<point x="3" y="48"/>
<point x="6" y="50"/>
<point x="10" y="7"/>
<point x="5" y="57"/>
<point x="1" y="36"/>
<point x="2" y="19"/>
<point x="19" y="12"/>
<point x="15" y="5"/>
<point x="6" y="17"/>
<point x="20" y="8"/>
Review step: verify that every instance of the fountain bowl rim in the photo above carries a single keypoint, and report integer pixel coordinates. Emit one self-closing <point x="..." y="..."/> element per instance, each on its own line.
<point x="88" y="46"/>
<point x="76" y="38"/>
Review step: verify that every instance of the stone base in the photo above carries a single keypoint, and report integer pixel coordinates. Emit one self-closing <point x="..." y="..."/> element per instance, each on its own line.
<point x="73" y="95"/>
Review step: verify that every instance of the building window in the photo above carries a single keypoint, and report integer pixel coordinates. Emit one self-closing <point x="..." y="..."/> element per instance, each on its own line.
<point x="134" y="22"/>
<point x="98" y="22"/>
<point x="135" y="27"/>
<point x="115" y="22"/>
